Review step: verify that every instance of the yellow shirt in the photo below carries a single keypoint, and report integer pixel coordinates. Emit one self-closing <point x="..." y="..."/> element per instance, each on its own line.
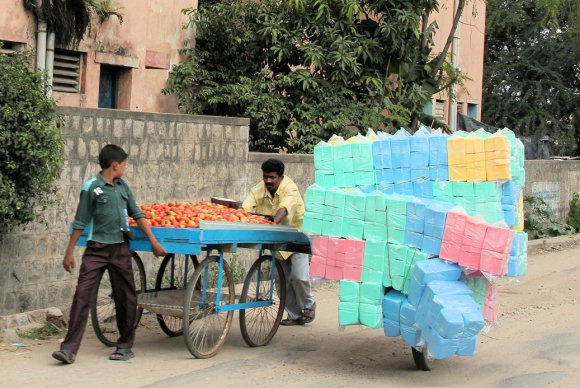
<point x="259" y="200"/>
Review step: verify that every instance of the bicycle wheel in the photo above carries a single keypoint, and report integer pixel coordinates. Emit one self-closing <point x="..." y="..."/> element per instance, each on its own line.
<point x="103" y="315"/>
<point x="204" y="327"/>
<point x="174" y="272"/>
<point x="259" y="324"/>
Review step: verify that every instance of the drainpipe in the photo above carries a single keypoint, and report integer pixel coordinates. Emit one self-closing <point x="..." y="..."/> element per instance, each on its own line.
<point x="455" y="64"/>
<point x="40" y="37"/>
<point x="50" y="62"/>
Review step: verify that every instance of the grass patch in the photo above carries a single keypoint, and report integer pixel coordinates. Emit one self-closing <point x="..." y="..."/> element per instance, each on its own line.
<point x="49" y="330"/>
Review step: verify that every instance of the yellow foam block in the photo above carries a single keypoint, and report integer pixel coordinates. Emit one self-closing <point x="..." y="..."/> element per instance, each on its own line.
<point x="456" y="150"/>
<point x="498" y="170"/>
<point x="474" y="145"/>
<point x="474" y="158"/>
<point x="499" y="144"/>
<point x="457" y="173"/>
<point x="476" y="172"/>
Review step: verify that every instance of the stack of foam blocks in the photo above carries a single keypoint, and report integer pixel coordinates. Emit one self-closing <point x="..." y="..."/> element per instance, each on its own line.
<point x="418" y="249"/>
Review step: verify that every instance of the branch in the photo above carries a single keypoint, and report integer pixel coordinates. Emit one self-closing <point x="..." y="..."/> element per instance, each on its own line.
<point x="443" y="54"/>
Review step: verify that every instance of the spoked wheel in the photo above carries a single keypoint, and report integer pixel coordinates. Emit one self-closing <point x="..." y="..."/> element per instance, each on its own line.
<point x="174" y="272"/>
<point x="259" y="324"/>
<point x="423" y="360"/>
<point x="204" y="327"/>
<point x="103" y="314"/>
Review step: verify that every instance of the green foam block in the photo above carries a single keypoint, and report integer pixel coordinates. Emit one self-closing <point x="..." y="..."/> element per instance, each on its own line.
<point x="371" y="315"/>
<point x="372" y="293"/>
<point x="353" y="229"/>
<point x="369" y="275"/>
<point x="349" y="291"/>
<point x="348" y="313"/>
<point x="375" y="231"/>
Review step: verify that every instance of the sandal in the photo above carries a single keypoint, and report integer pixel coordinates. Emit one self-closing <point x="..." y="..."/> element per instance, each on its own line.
<point x="308" y="315"/>
<point x="291" y="322"/>
<point x="64" y="356"/>
<point x="122" y="355"/>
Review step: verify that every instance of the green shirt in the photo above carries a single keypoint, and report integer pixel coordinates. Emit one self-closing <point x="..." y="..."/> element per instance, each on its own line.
<point x="105" y="210"/>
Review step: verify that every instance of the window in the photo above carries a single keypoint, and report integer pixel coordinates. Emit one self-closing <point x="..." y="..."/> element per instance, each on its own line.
<point x="439" y="110"/>
<point x="472" y="110"/>
<point x="68" y="71"/>
<point x="10" y="47"/>
<point x="115" y="87"/>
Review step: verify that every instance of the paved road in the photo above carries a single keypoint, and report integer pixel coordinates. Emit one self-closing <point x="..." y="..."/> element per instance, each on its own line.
<point x="536" y="343"/>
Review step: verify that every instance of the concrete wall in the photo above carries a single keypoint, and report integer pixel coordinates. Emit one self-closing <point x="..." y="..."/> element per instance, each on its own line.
<point x="554" y="181"/>
<point x="171" y="157"/>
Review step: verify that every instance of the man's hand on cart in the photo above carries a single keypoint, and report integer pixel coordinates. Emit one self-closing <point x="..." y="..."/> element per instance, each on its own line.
<point x="158" y="249"/>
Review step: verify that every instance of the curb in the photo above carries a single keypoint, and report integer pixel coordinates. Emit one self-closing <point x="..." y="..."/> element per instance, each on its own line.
<point x="540" y="246"/>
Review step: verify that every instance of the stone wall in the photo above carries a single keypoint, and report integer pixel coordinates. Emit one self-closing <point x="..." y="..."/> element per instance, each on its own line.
<point x="171" y="157"/>
<point x="554" y="181"/>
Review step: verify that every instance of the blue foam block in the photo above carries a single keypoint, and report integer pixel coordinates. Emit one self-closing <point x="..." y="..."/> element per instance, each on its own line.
<point x="401" y="151"/>
<point x="413" y="239"/>
<point x="411" y="335"/>
<point x="440" y="347"/>
<point x="405" y="188"/>
<point x="391" y="328"/>
<point x="467" y="346"/>
<point x="449" y="323"/>
<point x="392" y="302"/>
<point x="431" y="245"/>
<point x="408" y="313"/>
<point x="435" y="269"/>
<point x="423" y="189"/>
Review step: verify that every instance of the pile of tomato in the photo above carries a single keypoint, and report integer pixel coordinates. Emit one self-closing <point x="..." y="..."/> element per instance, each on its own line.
<point x="188" y="214"/>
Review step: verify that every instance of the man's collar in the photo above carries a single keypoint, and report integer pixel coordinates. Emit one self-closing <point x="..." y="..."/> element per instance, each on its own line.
<point x="103" y="182"/>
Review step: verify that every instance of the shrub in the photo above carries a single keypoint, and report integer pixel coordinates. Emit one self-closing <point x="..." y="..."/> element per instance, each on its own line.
<point x="574" y="215"/>
<point x="31" y="142"/>
<point x="540" y="221"/>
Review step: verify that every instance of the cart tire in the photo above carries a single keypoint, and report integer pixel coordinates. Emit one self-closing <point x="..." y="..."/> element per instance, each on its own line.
<point x="422" y="359"/>
<point x="103" y="315"/>
<point x="204" y="328"/>
<point x="172" y="276"/>
<point x="259" y="325"/>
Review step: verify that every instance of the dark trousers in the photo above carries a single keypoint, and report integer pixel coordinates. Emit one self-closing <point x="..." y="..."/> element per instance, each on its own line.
<point x="116" y="258"/>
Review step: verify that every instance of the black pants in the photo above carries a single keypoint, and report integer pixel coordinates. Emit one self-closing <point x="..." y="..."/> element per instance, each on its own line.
<point x="96" y="259"/>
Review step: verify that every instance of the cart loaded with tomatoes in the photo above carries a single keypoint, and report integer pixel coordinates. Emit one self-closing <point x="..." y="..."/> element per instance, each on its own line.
<point x="196" y="296"/>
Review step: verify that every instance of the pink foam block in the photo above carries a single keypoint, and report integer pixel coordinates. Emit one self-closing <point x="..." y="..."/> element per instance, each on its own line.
<point x="469" y="259"/>
<point x="456" y="221"/>
<point x="354" y="247"/>
<point x="340" y="259"/>
<point x="491" y="292"/>
<point x="450" y="251"/>
<point x="334" y="273"/>
<point x="320" y="246"/>
<point x="475" y="228"/>
<point x="498" y="239"/>
<point x="332" y="247"/>
<point x="341" y="245"/>
<point x="352" y="272"/>
<point x="318" y="266"/>
<point x="494" y="263"/>
<point x="490" y="312"/>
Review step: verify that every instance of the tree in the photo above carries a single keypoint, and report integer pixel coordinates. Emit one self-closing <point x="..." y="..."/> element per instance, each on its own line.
<point x="532" y="69"/>
<point x="31" y="143"/>
<point x="302" y="70"/>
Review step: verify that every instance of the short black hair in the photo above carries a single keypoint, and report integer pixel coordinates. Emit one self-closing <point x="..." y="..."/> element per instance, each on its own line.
<point x="111" y="153"/>
<point x="273" y="165"/>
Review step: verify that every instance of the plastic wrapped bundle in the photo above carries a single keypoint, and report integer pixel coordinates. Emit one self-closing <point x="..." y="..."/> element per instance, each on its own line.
<point x="391" y="307"/>
<point x="401" y="149"/>
<point x="419" y="148"/>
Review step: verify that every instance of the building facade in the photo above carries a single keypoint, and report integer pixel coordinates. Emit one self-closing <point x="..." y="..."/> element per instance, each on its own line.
<point x="122" y="63"/>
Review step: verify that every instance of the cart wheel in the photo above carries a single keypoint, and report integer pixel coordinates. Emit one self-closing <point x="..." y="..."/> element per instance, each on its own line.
<point x="103" y="314"/>
<point x="259" y="324"/>
<point x="205" y="328"/>
<point x="174" y="272"/>
<point x="423" y="360"/>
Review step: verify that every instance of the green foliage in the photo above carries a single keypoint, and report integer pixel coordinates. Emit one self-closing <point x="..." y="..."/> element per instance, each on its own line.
<point x="531" y="71"/>
<point x="541" y="222"/>
<point x="31" y="143"/>
<point x="303" y="70"/>
<point x="49" y="330"/>
<point x="574" y="215"/>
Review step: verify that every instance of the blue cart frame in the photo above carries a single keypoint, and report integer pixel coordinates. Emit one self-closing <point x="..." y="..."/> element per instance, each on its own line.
<point x="200" y="305"/>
